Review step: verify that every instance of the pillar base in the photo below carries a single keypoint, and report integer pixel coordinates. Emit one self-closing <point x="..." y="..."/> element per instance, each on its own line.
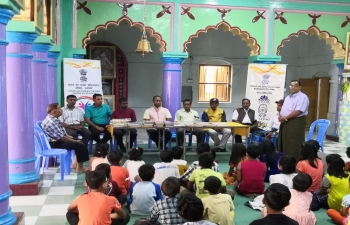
<point x="19" y="218"/>
<point x="25" y="189"/>
<point x="9" y="218"/>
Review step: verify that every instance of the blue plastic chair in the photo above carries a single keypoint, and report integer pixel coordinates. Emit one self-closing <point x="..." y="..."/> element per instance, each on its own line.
<point x="321" y="132"/>
<point x="44" y="149"/>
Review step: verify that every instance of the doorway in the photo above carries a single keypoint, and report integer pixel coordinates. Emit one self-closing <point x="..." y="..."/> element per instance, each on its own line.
<point x="317" y="90"/>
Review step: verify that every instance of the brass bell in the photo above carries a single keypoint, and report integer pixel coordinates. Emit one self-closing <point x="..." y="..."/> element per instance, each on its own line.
<point x="144" y="46"/>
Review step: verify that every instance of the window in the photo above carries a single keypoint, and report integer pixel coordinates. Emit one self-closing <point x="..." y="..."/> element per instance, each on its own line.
<point x="214" y="82"/>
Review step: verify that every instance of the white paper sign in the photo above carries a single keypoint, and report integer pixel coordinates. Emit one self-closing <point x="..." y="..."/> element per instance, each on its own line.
<point x="265" y="86"/>
<point x="82" y="78"/>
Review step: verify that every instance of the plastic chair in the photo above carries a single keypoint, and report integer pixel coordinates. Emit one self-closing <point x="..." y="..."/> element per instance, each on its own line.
<point x="321" y="131"/>
<point x="44" y="149"/>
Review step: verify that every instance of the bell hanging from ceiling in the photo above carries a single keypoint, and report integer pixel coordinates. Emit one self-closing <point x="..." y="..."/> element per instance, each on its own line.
<point x="144" y="46"/>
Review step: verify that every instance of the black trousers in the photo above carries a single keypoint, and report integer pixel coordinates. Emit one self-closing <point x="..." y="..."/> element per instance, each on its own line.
<point x="81" y="150"/>
<point x="119" y="133"/>
<point x="73" y="219"/>
<point x="238" y="138"/>
<point x="200" y="135"/>
<point x="85" y="133"/>
<point x="154" y="136"/>
<point x="95" y="134"/>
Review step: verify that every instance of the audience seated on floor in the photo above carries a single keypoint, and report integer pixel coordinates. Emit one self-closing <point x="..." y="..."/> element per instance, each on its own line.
<point x="181" y="164"/>
<point x="119" y="174"/>
<point x="270" y="158"/>
<point x="201" y="148"/>
<point x="100" y="155"/>
<point x="238" y="154"/>
<point x="165" y="168"/>
<point x="276" y="198"/>
<point x="134" y="162"/>
<point x="145" y="193"/>
<point x="191" y="209"/>
<point x="198" y="177"/>
<point x="218" y="207"/>
<point x="251" y="174"/>
<point x="164" y="210"/>
<point x="287" y="166"/>
<point x="96" y="206"/>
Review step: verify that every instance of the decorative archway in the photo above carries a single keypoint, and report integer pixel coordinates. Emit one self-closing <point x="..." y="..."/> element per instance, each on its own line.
<point x="336" y="45"/>
<point x="149" y="30"/>
<point x="245" y="36"/>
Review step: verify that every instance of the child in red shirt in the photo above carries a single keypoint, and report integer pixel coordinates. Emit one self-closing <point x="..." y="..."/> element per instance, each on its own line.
<point x="95" y="208"/>
<point x="119" y="174"/>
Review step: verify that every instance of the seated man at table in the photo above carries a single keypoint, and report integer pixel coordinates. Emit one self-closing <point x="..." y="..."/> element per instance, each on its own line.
<point x="124" y="112"/>
<point x="216" y="114"/>
<point x="158" y="113"/>
<point x="97" y="117"/>
<point x="245" y="116"/>
<point x="58" y="137"/>
<point x="72" y="120"/>
<point x="188" y="115"/>
<point x="273" y="125"/>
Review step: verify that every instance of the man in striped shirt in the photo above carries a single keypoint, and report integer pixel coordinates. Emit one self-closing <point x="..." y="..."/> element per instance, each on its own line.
<point x="72" y="120"/>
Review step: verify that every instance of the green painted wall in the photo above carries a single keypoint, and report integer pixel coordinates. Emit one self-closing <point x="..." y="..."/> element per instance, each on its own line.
<point x="103" y="12"/>
<point x="210" y="17"/>
<point x="296" y="22"/>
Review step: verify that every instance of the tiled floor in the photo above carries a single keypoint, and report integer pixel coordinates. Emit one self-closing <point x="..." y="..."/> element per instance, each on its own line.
<point x="50" y="206"/>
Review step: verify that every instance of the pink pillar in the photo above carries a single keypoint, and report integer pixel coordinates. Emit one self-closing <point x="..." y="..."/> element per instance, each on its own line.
<point x="40" y="85"/>
<point x="52" y="77"/>
<point x="6" y="216"/>
<point x="20" y="108"/>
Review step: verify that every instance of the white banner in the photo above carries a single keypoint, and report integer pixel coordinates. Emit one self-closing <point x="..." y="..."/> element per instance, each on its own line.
<point x="82" y="78"/>
<point x="265" y="86"/>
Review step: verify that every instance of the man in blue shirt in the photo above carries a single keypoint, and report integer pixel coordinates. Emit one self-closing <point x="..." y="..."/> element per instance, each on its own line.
<point x="97" y="117"/>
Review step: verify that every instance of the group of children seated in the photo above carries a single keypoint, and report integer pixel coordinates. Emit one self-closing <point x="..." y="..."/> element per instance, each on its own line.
<point x="170" y="192"/>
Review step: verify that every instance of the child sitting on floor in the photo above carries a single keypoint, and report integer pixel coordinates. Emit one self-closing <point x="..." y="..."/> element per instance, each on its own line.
<point x="100" y="155"/>
<point x="251" y="174"/>
<point x="201" y="148"/>
<point x="218" y="208"/>
<point x="238" y="154"/>
<point x="112" y="187"/>
<point x="96" y="207"/>
<point x="145" y="193"/>
<point x="134" y="162"/>
<point x="165" y="168"/>
<point x="276" y="198"/>
<point x="270" y="158"/>
<point x="182" y="164"/>
<point x="191" y="209"/>
<point x="287" y="166"/>
<point x="164" y="211"/>
<point x="119" y="174"/>
<point x="198" y="177"/>
<point x="310" y="163"/>
<point x="335" y="185"/>
<point x="341" y="217"/>
<point x="299" y="204"/>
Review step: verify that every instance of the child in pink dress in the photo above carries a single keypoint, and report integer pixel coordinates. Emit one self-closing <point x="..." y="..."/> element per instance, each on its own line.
<point x="299" y="204"/>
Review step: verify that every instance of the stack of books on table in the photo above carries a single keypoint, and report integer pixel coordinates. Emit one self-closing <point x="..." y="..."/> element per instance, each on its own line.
<point x="168" y="123"/>
<point x="118" y="122"/>
<point x="147" y="123"/>
<point x="134" y="125"/>
<point x="159" y="124"/>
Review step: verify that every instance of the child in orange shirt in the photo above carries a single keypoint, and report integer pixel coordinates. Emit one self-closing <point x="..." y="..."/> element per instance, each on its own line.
<point x="119" y="174"/>
<point x="95" y="208"/>
<point x="238" y="154"/>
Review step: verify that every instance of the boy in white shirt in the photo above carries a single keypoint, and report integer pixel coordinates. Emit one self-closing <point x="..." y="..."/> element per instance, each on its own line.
<point x="165" y="168"/>
<point x="182" y="164"/>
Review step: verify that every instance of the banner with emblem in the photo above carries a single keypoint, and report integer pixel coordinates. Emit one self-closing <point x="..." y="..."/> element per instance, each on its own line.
<point x="265" y="86"/>
<point x="82" y="78"/>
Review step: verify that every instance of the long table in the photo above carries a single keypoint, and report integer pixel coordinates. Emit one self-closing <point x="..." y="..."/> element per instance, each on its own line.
<point x="236" y="128"/>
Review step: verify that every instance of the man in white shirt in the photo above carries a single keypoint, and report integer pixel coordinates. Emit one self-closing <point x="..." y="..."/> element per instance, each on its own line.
<point x="72" y="119"/>
<point x="273" y="125"/>
<point x="188" y="115"/>
<point x="245" y="116"/>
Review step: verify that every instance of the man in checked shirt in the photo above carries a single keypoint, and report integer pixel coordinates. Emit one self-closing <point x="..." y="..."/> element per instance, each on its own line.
<point x="58" y="137"/>
<point x="201" y="148"/>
